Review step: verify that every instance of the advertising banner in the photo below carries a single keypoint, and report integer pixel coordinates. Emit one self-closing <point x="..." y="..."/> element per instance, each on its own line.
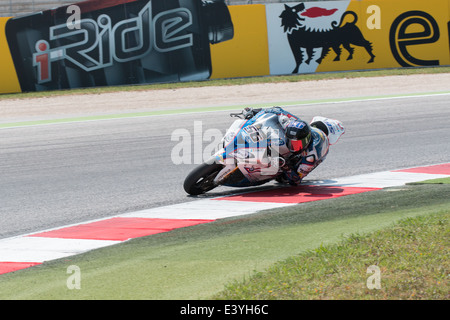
<point x="356" y="35"/>
<point x="121" y="42"/>
<point x="9" y="83"/>
<point x="124" y="42"/>
<point x="246" y="55"/>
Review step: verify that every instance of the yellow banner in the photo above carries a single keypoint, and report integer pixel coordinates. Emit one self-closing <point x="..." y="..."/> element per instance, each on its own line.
<point x="409" y="33"/>
<point x="246" y="54"/>
<point x="9" y="83"/>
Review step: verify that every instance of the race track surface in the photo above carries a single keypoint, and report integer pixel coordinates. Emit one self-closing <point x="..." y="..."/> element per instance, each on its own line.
<point x="59" y="174"/>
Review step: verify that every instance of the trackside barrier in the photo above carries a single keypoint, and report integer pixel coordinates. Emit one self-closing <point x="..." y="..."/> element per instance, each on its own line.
<point x="149" y="41"/>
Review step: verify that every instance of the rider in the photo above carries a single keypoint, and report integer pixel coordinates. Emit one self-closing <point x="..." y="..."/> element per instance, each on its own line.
<point x="308" y="143"/>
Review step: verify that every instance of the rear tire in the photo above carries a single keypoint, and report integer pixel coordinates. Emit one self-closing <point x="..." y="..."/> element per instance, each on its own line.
<point x="201" y="179"/>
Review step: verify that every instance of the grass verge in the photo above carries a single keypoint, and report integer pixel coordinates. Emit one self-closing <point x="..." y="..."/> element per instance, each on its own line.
<point x="410" y="260"/>
<point x="434" y="181"/>
<point x="197" y="262"/>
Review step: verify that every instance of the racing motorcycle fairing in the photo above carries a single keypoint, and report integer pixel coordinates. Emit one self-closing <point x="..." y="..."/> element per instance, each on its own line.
<point x="252" y="151"/>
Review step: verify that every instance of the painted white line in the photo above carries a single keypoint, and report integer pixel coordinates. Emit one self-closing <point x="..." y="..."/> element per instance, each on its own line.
<point x="204" y="209"/>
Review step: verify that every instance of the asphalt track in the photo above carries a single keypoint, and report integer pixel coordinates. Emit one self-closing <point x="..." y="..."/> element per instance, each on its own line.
<point x="60" y="174"/>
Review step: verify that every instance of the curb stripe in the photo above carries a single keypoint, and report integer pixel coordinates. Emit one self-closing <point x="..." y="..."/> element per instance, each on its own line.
<point x="25" y="251"/>
<point x="119" y="229"/>
<point x="443" y="169"/>
<point x="39" y="249"/>
<point x="6" y="267"/>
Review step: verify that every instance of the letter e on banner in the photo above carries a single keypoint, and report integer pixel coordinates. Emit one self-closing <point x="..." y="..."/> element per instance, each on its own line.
<point x="412" y="28"/>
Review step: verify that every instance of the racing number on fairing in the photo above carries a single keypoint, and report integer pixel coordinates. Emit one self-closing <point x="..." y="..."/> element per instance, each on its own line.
<point x="254" y="133"/>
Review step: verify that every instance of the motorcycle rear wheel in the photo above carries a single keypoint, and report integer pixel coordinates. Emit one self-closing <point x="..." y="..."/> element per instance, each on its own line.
<point x="201" y="179"/>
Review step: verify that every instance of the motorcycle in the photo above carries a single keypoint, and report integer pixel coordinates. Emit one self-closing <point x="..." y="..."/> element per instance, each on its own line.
<point x="252" y="153"/>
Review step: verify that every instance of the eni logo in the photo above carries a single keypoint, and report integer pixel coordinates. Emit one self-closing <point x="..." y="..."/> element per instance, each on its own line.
<point x="412" y="28"/>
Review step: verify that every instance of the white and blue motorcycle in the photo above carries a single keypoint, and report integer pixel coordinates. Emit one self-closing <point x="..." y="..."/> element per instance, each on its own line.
<point x="252" y="153"/>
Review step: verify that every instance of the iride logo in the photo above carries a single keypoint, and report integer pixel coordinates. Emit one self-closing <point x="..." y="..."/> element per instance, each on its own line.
<point x="97" y="44"/>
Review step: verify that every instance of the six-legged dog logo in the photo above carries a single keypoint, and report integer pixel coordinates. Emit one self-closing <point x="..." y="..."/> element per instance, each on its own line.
<point x="301" y="36"/>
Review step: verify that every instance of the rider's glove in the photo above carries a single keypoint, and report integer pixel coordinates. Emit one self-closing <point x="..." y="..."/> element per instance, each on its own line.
<point x="284" y="121"/>
<point x="247" y="112"/>
<point x="289" y="171"/>
<point x="289" y="176"/>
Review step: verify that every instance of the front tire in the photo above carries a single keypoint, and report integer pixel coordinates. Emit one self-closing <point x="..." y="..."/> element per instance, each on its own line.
<point x="201" y="179"/>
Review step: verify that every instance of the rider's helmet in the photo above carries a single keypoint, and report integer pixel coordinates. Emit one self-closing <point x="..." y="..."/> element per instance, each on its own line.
<point x="298" y="134"/>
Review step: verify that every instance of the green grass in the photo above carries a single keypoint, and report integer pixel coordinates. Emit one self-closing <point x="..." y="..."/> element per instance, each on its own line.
<point x="434" y="181"/>
<point x="198" y="262"/>
<point x="413" y="258"/>
<point x="234" y="81"/>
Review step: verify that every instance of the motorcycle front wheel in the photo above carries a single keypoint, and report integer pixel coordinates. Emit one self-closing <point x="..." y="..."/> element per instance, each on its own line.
<point x="201" y="179"/>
